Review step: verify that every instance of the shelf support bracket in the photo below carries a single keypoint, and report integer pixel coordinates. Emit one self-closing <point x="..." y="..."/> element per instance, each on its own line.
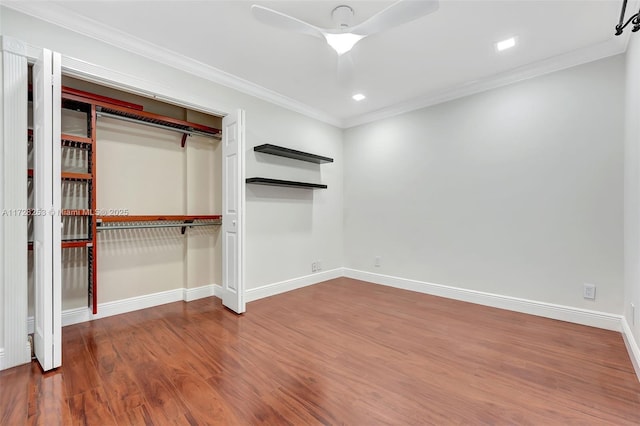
<point x="184" y="228"/>
<point x="184" y="142"/>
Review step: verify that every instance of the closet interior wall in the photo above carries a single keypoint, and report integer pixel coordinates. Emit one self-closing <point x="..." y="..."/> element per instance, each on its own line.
<point x="141" y="170"/>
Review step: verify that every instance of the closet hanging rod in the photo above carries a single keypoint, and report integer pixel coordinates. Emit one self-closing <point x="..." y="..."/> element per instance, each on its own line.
<point x="159" y="126"/>
<point x="159" y="225"/>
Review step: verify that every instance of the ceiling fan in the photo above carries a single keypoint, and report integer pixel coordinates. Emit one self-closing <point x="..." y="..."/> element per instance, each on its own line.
<point x="345" y="36"/>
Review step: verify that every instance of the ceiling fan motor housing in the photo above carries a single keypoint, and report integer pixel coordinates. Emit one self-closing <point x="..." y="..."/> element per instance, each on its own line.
<point x="342" y="17"/>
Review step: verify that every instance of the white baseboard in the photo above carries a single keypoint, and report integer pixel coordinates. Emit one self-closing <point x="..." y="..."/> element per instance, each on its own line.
<point x="549" y="310"/>
<point x="131" y="304"/>
<point x="288" y="285"/>
<point x="84" y="314"/>
<point x="632" y="346"/>
<point x="117" y="307"/>
<point x="190" y="294"/>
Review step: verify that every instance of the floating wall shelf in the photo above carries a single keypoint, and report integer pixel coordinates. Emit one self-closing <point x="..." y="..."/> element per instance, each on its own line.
<point x="287" y="183"/>
<point x="292" y="153"/>
<point x="281" y="151"/>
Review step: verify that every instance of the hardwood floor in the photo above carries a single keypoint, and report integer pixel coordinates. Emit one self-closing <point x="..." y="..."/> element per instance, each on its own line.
<point x="340" y="352"/>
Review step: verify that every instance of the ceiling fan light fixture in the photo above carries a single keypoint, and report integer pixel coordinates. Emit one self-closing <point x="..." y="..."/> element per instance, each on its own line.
<point x="343" y="42"/>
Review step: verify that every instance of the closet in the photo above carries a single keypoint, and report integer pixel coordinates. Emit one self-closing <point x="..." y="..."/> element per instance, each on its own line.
<point x="141" y="185"/>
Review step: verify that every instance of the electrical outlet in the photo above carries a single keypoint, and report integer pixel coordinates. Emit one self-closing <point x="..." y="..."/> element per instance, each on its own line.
<point x="377" y="261"/>
<point x="314" y="267"/>
<point x="633" y="314"/>
<point x="589" y="291"/>
<point x="318" y="265"/>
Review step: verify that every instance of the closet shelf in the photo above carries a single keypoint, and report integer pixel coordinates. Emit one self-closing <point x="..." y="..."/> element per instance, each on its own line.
<point x="91" y="98"/>
<point x="67" y="175"/>
<point x="156" y="218"/>
<point x="75" y="141"/>
<point x="69" y="244"/>
<point x="66" y="139"/>
<point x="77" y="243"/>
<point x="286" y="183"/>
<point x="156" y="120"/>
<point x="82" y="101"/>
<point x="281" y="151"/>
<point x="75" y="104"/>
<point x="75" y="176"/>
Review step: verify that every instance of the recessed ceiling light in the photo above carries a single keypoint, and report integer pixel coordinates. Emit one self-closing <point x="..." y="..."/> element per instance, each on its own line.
<point x="506" y="44"/>
<point x="358" y="97"/>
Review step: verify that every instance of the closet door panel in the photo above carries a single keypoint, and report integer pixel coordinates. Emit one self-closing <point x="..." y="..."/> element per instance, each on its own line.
<point x="233" y="211"/>
<point x="46" y="219"/>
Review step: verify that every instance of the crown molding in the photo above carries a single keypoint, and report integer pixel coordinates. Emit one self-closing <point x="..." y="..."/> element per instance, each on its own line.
<point x="59" y="16"/>
<point x="567" y="60"/>
<point x="72" y="21"/>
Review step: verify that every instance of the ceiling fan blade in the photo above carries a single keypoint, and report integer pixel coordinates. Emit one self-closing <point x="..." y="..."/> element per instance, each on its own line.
<point x="346" y="70"/>
<point x="285" y="22"/>
<point x="398" y="13"/>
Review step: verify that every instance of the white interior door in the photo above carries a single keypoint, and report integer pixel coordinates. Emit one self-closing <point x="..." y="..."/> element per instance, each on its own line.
<point x="46" y="219"/>
<point x="233" y="211"/>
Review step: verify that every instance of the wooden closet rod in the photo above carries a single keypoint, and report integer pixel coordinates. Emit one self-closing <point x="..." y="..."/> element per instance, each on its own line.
<point x="158" y="225"/>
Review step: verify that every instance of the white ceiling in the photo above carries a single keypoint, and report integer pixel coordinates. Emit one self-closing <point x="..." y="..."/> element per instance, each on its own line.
<point x="443" y="55"/>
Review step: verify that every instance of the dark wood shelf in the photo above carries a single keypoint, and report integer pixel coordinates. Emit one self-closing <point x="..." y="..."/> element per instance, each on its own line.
<point x="75" y="176"/>
<point x="67" y="175"/>
<point x="69" y="244"/>
<point x="151" y="118"/>
<point x="76" y="243"/>
<point x="281" y="151"/>
<point x="287" y="183"/>
<point x="75" y="141"/>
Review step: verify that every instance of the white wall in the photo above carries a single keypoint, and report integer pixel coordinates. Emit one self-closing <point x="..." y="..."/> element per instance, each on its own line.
<point x="516" y="191"/>
<point x="286" y="228"/>
<point x="632" y="189"/>
<point x="144" y="171"/>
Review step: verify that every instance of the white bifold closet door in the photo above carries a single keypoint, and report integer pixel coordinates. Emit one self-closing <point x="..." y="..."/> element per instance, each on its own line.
<point x="46" y="220"/>
<point x="233" y="211"/>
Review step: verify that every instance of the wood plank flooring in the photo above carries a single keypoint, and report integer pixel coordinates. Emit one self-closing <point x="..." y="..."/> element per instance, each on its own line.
<point x="340" y="352"/>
